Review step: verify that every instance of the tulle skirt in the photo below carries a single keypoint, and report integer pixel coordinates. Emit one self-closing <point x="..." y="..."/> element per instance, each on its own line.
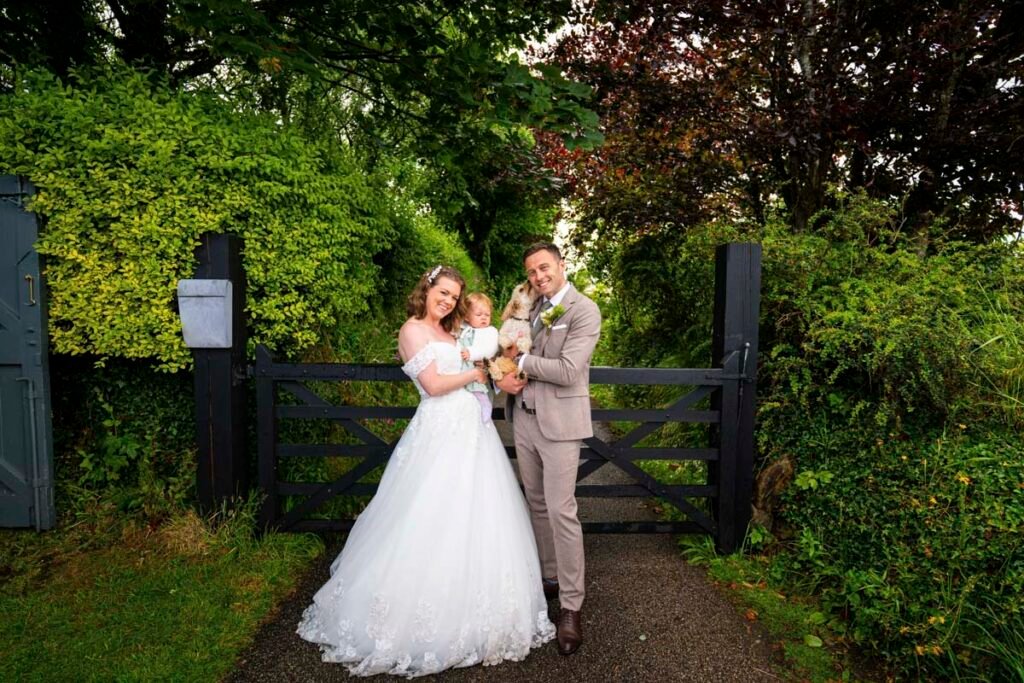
<point x="441" y="569"/>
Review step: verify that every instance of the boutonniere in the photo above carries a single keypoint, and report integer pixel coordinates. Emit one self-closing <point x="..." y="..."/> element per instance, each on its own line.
<point x="549" y="316"/>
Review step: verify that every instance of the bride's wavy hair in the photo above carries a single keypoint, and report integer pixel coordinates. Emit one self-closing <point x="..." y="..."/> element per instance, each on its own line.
<point x="416" y="306"/>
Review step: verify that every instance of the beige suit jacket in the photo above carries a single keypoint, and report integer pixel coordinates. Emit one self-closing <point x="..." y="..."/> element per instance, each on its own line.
<point x="558" y="367"/>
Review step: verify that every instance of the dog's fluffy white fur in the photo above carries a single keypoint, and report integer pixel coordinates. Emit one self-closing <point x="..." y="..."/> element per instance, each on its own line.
<point x="515" y="328"/>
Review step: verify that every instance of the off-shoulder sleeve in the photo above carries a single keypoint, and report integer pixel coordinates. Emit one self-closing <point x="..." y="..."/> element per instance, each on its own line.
<point x="419" y="362"/>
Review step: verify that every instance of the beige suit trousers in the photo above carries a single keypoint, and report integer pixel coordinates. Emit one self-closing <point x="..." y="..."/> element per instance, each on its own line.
<point x="548" y="470"/>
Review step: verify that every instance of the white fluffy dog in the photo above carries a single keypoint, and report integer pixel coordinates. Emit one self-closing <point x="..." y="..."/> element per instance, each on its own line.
<point x="515" y="330"/>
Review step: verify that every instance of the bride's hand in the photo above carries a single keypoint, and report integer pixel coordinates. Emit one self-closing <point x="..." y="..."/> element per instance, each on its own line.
<point x="480" y="375"/>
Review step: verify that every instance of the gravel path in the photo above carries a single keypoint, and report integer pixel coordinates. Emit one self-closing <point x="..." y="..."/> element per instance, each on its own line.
<point x="649" y="616"/>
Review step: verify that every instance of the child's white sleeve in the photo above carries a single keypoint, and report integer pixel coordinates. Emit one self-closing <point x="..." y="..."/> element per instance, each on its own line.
<point x="485" y="344"/>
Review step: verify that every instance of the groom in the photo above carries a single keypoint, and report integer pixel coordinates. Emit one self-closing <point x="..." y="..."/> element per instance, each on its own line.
<point x="550" y="413"/>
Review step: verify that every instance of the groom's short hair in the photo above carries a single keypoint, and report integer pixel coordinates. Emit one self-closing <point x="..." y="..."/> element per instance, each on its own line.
<point x="542" y="246"/>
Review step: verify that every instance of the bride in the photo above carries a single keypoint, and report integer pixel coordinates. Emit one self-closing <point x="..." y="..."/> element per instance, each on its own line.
<point x="441" y="569"/>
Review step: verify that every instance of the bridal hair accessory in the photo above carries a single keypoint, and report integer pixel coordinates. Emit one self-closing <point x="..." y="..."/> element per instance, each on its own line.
<point x="433" y="274"/>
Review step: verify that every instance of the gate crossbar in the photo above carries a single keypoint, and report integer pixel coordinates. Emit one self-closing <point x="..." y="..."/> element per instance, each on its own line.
<point x="375" y="451"/>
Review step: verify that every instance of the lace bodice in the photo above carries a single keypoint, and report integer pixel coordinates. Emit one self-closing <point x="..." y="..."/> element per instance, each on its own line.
<point x="446" y="355"/>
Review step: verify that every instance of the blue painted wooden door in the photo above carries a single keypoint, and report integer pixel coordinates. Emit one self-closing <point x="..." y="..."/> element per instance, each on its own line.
<point x="26" y="444"/>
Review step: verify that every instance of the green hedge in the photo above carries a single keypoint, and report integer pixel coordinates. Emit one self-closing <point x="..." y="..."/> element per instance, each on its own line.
<point x="891" y="374"/>
<point x="910" y="539"/>
<point x="126" y="431"/>
<point x="130" y="175"/>
<point x="419" y="245"/>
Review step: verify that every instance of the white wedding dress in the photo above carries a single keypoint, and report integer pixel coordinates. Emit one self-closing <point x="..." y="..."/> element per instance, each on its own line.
<point x="441" y="569"/>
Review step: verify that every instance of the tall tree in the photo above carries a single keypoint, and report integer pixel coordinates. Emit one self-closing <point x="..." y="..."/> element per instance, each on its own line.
<point x="712" y="109"/>
<point x="56" y="36"/>
<point x="425" y="62"/>
<point x="436" y="80"/>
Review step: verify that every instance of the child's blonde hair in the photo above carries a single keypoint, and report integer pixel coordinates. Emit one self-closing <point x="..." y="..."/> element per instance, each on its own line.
<point x="479" y="298"/>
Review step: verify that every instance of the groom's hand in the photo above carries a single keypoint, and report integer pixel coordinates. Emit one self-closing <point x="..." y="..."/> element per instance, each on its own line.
<point x="510" y="384"/>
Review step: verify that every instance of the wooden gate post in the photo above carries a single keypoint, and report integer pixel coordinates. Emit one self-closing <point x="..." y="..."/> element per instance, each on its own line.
<point x="219" y="383"/>
<point x="266" y="418"/>
<point x="734" y="349"/>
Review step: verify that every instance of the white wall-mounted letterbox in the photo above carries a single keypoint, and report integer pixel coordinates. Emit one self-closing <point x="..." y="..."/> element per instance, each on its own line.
<point x="205" y="310"/>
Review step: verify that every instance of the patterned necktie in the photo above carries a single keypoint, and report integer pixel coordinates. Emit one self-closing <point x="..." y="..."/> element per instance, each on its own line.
<point x="547" y="305"/>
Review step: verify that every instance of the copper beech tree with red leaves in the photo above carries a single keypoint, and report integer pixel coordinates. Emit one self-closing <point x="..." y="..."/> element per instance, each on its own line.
<point x="718" y="110"/>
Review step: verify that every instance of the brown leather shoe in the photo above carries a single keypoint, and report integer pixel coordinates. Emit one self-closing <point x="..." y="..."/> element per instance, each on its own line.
<point x="570" y="631"/>
<point x="550" y="588"/>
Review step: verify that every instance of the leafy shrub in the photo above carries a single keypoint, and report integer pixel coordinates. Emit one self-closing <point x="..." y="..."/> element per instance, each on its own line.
<point x="419" y="245"/>
<point x="125" y="430"/>
<point x="849" y="324"/>
<point x="515" y="227"/>
<point x="901" y="534"/>
<point x="130" y="175"/>
<point x="854" y="328"/>
<point x="891" y="373"/>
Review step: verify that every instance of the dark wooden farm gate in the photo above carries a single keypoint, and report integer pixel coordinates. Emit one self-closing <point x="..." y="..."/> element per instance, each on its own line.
<point x="729" y="384"/>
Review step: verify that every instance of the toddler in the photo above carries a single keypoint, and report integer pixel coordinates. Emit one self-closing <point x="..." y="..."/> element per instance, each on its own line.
<point x="479" y="340"/>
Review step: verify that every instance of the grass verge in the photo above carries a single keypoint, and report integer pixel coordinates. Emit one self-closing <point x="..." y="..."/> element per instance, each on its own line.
<point x="807" y="646"/>
<point x="176" y="602"/>
<point x="805" y="643"/>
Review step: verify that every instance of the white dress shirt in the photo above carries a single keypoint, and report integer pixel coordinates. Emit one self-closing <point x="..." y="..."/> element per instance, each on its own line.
<point x="555" y="300"/>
